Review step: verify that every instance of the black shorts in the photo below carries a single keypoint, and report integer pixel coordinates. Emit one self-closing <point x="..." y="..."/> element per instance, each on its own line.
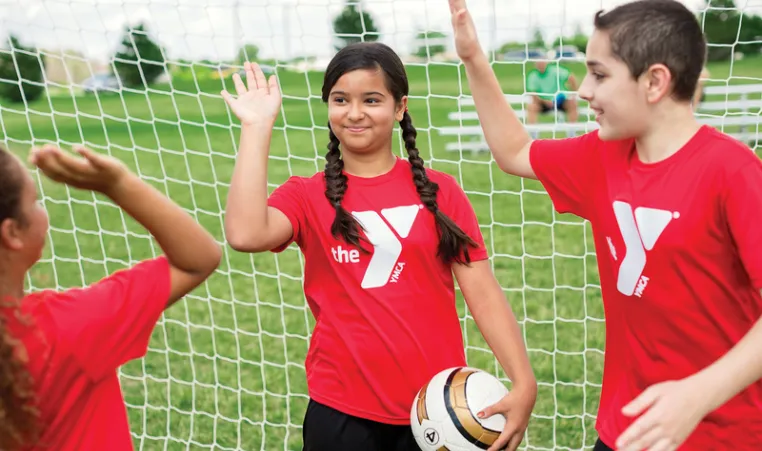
<point x="327" y="429"/>
<point x="600" y="446"/>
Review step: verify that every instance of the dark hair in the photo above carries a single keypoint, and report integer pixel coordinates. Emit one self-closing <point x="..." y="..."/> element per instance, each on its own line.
<point x="647" y="32"/>
<point x="18" y="413"/>
<point x="453" y="242"/>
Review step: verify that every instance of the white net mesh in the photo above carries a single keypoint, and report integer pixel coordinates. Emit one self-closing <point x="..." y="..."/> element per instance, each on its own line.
<point x="225" y="366"/>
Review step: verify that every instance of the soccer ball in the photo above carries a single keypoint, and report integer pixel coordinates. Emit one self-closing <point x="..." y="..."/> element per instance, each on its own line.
<point x="443" y="416"/>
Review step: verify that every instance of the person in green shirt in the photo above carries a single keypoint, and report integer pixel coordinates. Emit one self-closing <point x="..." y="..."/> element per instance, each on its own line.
<point x="545" y="83"/>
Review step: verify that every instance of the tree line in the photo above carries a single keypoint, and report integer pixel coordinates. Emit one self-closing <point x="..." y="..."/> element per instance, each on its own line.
<point x="140" y="60"/>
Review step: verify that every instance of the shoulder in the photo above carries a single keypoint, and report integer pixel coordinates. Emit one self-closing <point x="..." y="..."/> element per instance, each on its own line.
<point x="726" y="154"/>
<point x="441" y="177"/>
<point x="303" y="184"/>
<point x="449" y="185"/>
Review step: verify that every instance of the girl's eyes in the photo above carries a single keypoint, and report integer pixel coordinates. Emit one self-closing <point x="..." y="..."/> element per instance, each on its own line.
<point x="342" y="100"/>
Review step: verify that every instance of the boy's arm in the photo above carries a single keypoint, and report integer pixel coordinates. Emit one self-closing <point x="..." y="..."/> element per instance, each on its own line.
<point x="569" y="169"/>
<point x="506" y="136"/>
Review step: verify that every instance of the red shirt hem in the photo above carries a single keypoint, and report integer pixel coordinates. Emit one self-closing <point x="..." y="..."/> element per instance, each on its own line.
<point x="349" y="410"/>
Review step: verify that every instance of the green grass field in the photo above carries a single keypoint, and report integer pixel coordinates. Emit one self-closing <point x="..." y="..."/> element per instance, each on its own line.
<point x="225" y="366"/>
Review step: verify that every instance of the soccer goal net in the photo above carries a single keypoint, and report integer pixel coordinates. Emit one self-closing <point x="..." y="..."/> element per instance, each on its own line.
<point x="140" y="80"/>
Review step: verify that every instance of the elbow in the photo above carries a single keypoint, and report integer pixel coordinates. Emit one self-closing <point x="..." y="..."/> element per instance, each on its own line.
<point x="509" y="158"/>
<point x="212" y="258"/>
<point x="243" y="242"/>
<point x="240" y="239"/>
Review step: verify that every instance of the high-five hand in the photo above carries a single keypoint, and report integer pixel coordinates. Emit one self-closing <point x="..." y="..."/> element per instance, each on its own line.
<point x="257" y="104"/>
<point x="466" y="39"/>
<point x="94" y="171"/>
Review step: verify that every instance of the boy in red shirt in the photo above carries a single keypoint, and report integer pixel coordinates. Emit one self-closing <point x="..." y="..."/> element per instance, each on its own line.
<point x="59" y="351"/>
<point x="381" y="238"/>
<point x="675" y="209"/>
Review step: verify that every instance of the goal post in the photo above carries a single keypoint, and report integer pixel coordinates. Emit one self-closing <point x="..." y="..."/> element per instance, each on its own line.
<point x="225" y="366"/>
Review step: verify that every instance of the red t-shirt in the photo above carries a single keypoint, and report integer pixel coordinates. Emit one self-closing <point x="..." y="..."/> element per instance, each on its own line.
<point x="678" y="246"/>
<point x="76" y="340"/>
<point x="386" y="322"/>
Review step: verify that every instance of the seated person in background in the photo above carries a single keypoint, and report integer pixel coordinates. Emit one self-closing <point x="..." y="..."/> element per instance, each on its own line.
<point x="546" y="83"/>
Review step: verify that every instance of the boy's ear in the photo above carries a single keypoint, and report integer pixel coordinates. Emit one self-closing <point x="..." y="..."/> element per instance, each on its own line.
<point x="658" y="82"/>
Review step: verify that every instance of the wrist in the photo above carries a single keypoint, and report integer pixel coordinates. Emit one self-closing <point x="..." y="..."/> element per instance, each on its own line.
<point x="121" y="187"/>
<point x="525" y="383"/>
<point x="712" y="385"/>
<point x="258" y="126"/>
<point x="477" y="60"/>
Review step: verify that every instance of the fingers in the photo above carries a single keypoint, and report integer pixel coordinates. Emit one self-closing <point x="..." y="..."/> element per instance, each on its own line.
<point x="96" y="160"/>
<point x="48" y="161"/>
<point x="663" y="445"/>
<point x="251" y="79"/>
<point x="637" y="430"/>
<point x="488" y="411"/>
<point x="498" y="407"/>
<point x="74" y="165"/>
<point x="240" y="88"/>
<point x="457" y="5"/>
<point x="515" y="441"/>
<point x="274" y="88"/>
<point x="503" y="440"/>
<point x="643" y="440"/>
<point x="641" y="403"/>
<point x="259" y="76"/>
<point x="227" y="97"/>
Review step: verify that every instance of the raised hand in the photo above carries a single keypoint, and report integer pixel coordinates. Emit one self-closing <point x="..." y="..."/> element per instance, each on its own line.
<point x="91" y="172"/>
<point x="466" y="40"/>
<point x="257" y="104"/>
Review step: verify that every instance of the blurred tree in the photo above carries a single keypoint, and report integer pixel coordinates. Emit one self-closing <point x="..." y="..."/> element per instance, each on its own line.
<point x="22" y="72"/>
<point x="727" y="30"/>
<point x="140" y="60"/>
<point x="354" y="25"/>
<point x="249" y="52"/>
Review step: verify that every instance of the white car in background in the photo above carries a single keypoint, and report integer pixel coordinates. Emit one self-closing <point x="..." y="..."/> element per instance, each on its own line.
<point x="101" y="82"/>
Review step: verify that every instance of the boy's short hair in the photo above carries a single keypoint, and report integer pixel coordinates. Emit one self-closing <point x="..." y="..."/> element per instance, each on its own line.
<point x="647" y="32"/>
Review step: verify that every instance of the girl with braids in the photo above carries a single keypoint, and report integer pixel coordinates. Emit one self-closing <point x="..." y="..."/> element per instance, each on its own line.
<point x="381" y="237"/>
<point x="59" y="351"/>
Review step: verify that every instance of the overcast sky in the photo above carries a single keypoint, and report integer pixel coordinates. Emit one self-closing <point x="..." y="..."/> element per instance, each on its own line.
<point x="214" y="29"/>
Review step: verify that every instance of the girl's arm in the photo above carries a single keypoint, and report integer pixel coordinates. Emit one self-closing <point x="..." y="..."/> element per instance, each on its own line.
<point x="250" y="225"/>
<point x="191" y="251"/>
<point x="498" y="325"/>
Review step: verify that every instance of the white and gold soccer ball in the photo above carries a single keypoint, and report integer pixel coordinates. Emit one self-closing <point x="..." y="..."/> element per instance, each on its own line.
<point x="443" y="415"/>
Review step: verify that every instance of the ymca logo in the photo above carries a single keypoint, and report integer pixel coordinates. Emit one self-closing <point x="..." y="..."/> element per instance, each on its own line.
<point x="640" y="230"/>
<point x="383" y="266"/>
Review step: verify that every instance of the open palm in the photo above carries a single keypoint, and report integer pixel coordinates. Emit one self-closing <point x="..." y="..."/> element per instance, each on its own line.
<point x="259" y="102"/>
<point x="464" y="31"/>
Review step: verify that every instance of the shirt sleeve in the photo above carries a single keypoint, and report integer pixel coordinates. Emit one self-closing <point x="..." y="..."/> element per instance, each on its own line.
<point x="289" y="198"/>
<point x="532" y="82"/>
<point x="743" y="213"/>
<point x="109" y="323"/>
<point x="459" y="209"/>
<point x="568" y="170"/>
